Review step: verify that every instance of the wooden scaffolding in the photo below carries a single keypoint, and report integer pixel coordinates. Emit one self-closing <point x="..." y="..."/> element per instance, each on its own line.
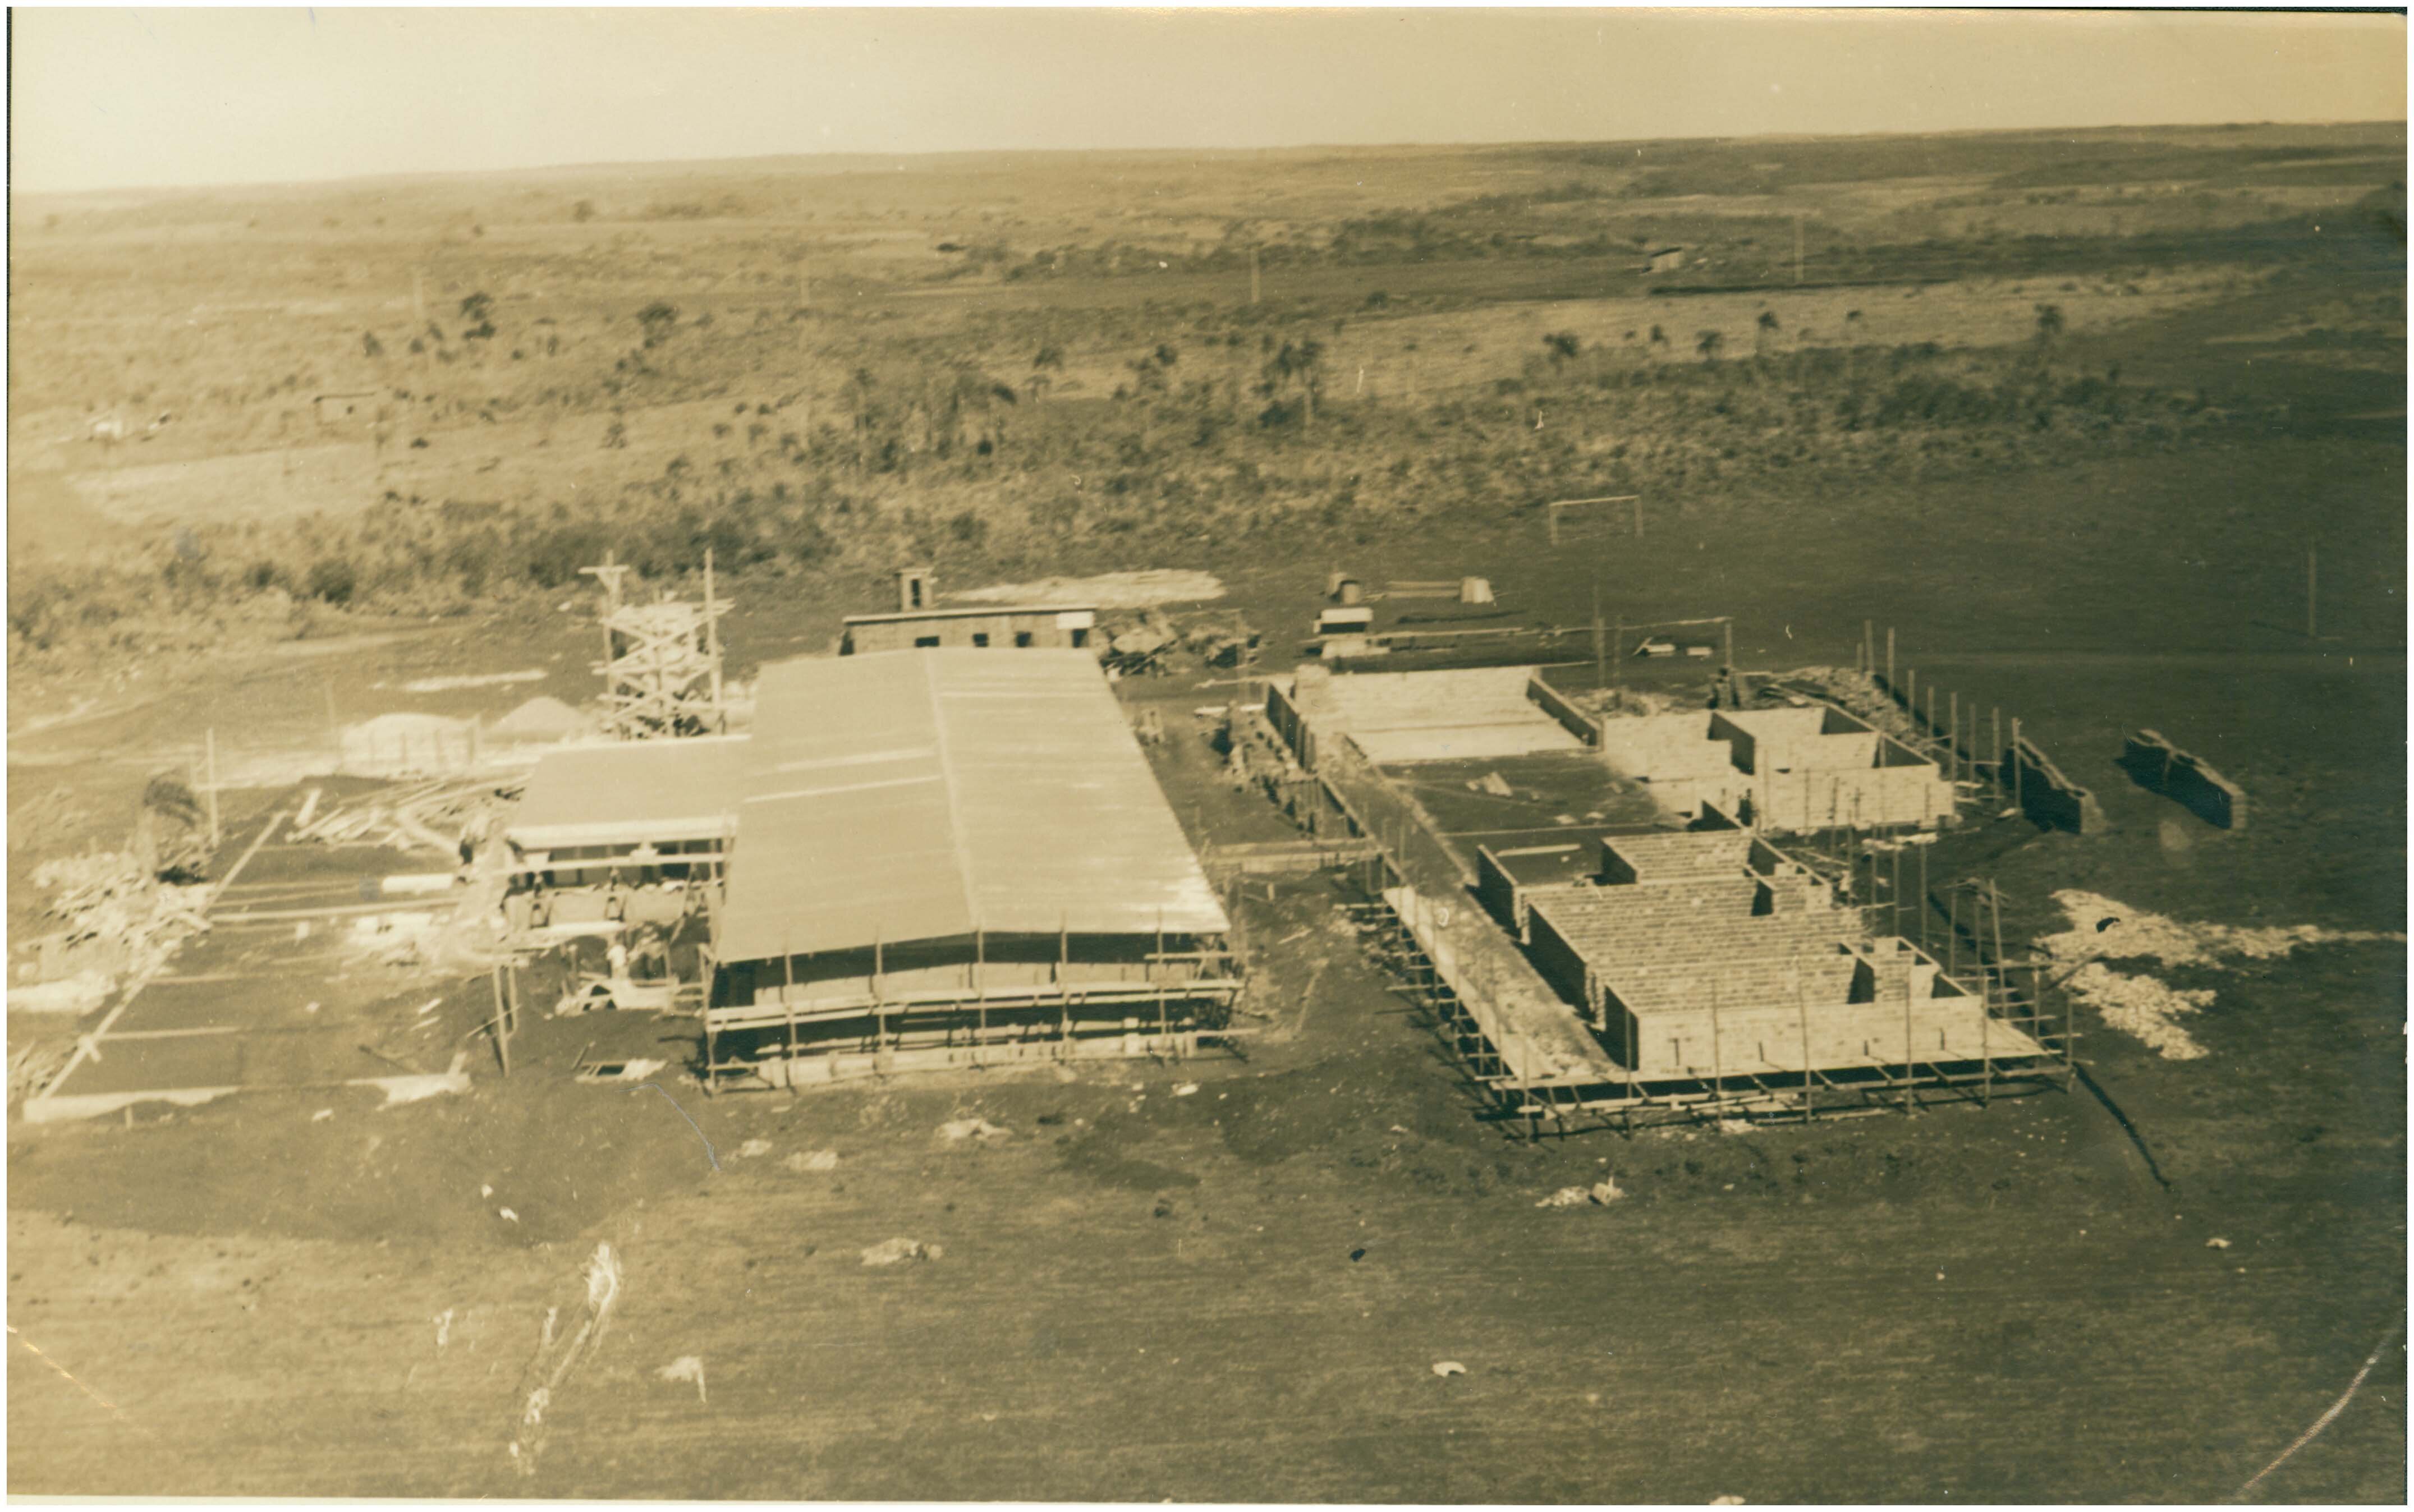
<point x="662" y="661"/>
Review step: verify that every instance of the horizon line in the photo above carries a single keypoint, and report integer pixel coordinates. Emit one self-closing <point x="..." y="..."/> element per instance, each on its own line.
<point x="412" y="175"/>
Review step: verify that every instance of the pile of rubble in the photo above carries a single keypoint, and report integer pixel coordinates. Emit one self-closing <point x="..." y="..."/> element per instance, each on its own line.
<point x="1856" y="692"/>
<point x="1153" y="641"/>
<point x="1623" y="702"/>
<point x="116" y="919"/>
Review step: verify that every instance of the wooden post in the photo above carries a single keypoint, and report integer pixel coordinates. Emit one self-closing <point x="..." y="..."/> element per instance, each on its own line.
<point x="1600" y="642"/>
<point x="1726" y="635"/>
<point x="788" y="1005"/>
<point x="1931" y="721"/>
<point x="712" y="640"/>
<point x="2015" y="749"/>
<point x="1618" y="652"/>
<point x="1995" y="743"/>
<point x="213" y="768"/>
<point x="1718" y="1077"/>
<point x="1911" y="693"/>
<point x="1868" y="645"/>
<point x="980" y="991"/>
<point x="1910" y="1097"/>
<point x="1802" y="1010"/>
<point x="1923" y="898"/>
<point x="1889" y="661"/>
<point x="1953" y="741"/>
<point x="1064" y="986"/>
<point x="879" y="1005"/>
<point x="1895" y="893"/>
<point x="502" y="1024"/>
<point x="1986" y="1044"/>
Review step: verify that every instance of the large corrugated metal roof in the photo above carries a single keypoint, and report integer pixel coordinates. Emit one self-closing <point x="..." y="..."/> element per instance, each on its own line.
<point x="924" y="795"/>
<point x="637" y="791"/>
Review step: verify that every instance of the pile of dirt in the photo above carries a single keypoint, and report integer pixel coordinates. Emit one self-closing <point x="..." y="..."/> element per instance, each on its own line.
<point x="1107" y="590"/>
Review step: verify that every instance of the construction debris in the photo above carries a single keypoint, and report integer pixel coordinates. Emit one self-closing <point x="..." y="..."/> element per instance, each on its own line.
<point x="74" y="995"/>
<point x="445" y="815"/>
<point x="685" y="1368"/>
<point x="896" y="1251"/>
<point x="1448" y="1368"/>
<point x="955" y="1130"/>
<point x="1600" y="1195"/>
<point x="32" y="1067"/>
<point x="118" y="921"/>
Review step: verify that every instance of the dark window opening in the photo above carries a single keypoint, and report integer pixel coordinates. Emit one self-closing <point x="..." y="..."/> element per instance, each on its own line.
<point x="980" y="637"/>
<point x="913" y="593"/>
<point x="1080" y="637"/>
<point x="925" y="640"/>
<point x="1022" y="639"/>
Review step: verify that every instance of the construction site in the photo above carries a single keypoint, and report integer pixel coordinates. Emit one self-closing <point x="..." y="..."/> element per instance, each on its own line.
<point x="1676" y="892"/>
<point x="1287" y="972"/>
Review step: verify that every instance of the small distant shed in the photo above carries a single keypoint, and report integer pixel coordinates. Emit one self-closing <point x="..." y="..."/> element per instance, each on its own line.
<point x="1665" y="258"/>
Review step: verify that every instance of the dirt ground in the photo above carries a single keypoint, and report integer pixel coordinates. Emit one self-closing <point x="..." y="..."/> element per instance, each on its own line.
<point x="2002" y="1303"/>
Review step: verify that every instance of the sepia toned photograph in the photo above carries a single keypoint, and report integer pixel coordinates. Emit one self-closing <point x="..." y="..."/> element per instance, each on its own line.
<point x="1441" y="755"/>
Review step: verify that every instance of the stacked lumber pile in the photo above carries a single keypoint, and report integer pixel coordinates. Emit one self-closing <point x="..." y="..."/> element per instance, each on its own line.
<point x="421" y="816"/>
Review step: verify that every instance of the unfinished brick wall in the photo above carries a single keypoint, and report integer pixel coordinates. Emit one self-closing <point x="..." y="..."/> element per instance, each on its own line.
<point x="2047" y="796"/>
<point x="2158" y="766"/>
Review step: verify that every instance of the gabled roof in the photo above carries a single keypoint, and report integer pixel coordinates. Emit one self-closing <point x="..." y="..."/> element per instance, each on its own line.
<point x="926" y="795"/>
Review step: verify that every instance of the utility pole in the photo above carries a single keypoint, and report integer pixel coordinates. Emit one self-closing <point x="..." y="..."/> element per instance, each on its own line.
<point x="1889" y="658"/>
<point x="1600" y="643"/>
<point x="712" y="637"/>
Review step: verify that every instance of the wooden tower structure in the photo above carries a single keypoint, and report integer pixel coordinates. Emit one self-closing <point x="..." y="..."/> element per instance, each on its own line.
<point x="662" y="661"/>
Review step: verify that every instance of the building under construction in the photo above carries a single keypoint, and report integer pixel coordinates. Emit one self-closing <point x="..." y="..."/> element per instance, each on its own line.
<point x="1658" y="956"/>
<point x="949" y="857"/>
<point x="926" y="857"/>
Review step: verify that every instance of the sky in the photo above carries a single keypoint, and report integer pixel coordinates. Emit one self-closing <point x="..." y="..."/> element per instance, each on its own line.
<point x="118" y="98"/>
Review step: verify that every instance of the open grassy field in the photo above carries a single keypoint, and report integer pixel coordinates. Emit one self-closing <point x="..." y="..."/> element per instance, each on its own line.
<point x="2095" y="523"/>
